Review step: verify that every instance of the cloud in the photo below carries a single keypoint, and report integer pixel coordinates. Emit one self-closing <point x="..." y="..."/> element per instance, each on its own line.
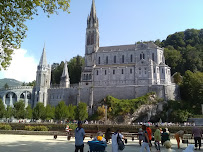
<point x="23" y="67"/>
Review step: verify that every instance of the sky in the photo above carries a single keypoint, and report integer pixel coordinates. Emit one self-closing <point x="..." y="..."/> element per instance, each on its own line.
<point x="120" y="23"/>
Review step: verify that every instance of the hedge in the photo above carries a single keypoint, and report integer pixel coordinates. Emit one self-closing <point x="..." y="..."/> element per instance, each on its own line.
<point x="94" y="128"/>
<point x="5" y="127"/>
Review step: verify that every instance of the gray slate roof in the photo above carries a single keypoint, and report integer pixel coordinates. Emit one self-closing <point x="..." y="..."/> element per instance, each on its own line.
<point x="128" y="47"/>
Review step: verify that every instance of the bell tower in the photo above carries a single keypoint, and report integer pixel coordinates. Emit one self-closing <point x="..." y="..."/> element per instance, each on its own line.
<point x="43" y="79"/>
<point x="92" y="36"/>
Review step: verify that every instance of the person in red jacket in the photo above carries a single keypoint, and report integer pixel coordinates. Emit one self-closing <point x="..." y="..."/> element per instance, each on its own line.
<point x="149" y="133"/>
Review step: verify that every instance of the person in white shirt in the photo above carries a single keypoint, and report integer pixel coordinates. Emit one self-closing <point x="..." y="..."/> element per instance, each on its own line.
<point x="114" y="140"/>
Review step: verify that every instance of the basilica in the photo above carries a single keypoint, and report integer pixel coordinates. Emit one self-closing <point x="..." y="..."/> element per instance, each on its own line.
<point x="124" y="71"/>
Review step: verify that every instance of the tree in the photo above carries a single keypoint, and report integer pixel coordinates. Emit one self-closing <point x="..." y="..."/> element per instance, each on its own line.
<point x="56" y="72"/>
<point x="50" y="112"/>
<point x="19" y="109"/>
<point x="177" y="78"/>
<point x="28" y="112"/>
<point x="101" y="112"/>
<point x="39" y="111"/>
<point x="81" y="111"/>
<point x="6" y="86"/>
<point x="2" y="109"/>
<point x="61" y="111"/>
<point x="75" y="68"/>
<point x="71" y="112"/>
<point x="191" y="90"/>
<point x="13" y="16"/>
<point x="9" y="112"/>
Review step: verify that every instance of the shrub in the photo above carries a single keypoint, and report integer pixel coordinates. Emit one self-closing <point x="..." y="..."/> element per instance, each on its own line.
<point x="5" y="127"/>
<point x="36" y="128"/>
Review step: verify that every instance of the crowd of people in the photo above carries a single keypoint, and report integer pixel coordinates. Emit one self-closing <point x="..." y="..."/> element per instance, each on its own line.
<point x="161" y="136"/>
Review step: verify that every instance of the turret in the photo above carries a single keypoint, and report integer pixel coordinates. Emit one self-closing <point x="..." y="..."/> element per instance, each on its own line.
<point x="43" y="78"/>
<point x="65" y="80"/>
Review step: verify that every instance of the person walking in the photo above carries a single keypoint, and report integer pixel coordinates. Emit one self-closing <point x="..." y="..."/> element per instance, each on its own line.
<point x="164" y="137"/>
<point x="108" y="135"/>
<point x="157" y="138"/>
<point x="79" y="137"/>
<point x="114" y="139"/>
<point x="197" y="133"/>
<point x="149" y="133"/>
<point x="145" y="144"/>
<point x="179" y="135"/>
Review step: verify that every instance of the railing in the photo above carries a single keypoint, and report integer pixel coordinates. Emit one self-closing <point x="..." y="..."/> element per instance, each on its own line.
<point x="18" y="87"/>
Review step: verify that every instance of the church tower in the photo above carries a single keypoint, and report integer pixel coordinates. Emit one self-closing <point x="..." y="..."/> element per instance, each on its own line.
<point x="65" y="80"/>
<point x="92" y="36"/>
<point x="43" y="79"/>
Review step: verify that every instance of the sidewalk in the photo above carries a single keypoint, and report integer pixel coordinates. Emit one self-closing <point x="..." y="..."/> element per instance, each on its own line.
<point x="38" y="143"/>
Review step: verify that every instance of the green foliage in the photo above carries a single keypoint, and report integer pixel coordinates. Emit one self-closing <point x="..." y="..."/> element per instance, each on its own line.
<point x="101" y="112"/>
<point x="36" y="128"/>
<point x="9" y="112"/>
<point x="5" y="127"/>
<point x="6" y="86"/>
<point x="39" y="111"/>
<point x="29" y="83"/>
<point x="74" y="68"/>
<point x="176" y="111"/>
<point x="2" y="109"/>
<point x="177" y="78"/>
<point x="184" y="51"/>
<point x="19" y="109"/>
<point x="28" y="112"/>
<point x="81" y="111"/>
<point x="56" y="72"/>
<point x="61" y="111"/>
<point x="118" y="107"/>
<point x="14" y="15"/>
<point x="71" y="112"/>
<point x="50" y="112"/>
<point x="192" y="90"/>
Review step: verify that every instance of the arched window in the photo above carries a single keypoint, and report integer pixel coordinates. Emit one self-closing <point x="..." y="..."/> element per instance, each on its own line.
<point x="86" y="76"/>
<point x="143" y="56"/>
<point x="122" y="71"/>
<point x="113" y="71"/>
<point x="140" y="56"/>
<point x="123" y="59"/>
<point x="107" y="60"/>
<point x="105" y="72"/>
<point x="139" y="70"/>
<point x="114" y="59"/>
<point x="131" y="71"/>
<point x="131" y="58"/>
<point x="99" y="60"/>
<point x="97" y="72"/>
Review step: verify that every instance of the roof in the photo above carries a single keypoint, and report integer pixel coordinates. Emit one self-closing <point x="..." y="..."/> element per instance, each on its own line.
<point x="138" y="46"/>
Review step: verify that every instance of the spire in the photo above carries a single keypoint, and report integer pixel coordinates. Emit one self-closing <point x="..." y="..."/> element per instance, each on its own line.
<point x="92" y="20"/>
<point x="93" y="10"/>
<point x="65" y="71"/>
<point x="43" y="60"/>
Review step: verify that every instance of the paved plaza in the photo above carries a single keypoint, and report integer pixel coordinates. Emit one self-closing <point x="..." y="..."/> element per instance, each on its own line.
<point x="38" y="143"/>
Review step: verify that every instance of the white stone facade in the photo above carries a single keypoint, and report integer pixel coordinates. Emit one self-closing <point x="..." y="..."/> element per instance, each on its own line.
<point x="125" y="72"/>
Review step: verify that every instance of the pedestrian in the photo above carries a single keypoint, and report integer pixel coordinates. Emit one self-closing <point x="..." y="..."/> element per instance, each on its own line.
<point x="157" y="138"/>
<point x="140" y="136"/>
<point x="179" y="135"/>
<point x="146" y="142"/>
<point x="114" y="139"/>
<point x="108" y="135"/>
<point x="164" y="137"/>
<point x="149" y="133"/>
<point x="197" y="133"/>
<point x="79" y="137"/>
<point x="99" y="137"/>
